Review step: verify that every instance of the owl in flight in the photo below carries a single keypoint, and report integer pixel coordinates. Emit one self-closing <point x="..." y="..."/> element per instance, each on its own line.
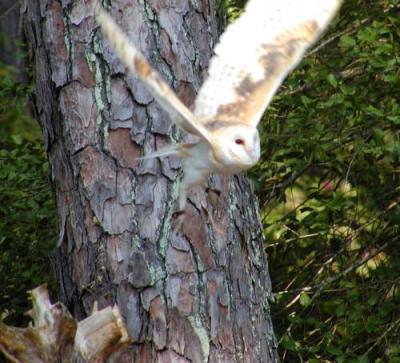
<point x="251" y="60"/>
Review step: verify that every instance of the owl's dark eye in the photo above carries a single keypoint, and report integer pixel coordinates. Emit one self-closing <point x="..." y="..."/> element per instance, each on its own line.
<point x="239" y="141"/>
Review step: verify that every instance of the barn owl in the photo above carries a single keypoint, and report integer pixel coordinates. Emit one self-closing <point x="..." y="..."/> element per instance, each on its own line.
<point x="251" y="60"/>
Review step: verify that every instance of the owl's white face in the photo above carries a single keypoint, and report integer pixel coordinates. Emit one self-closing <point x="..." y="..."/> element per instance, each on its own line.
<point x="238" y="147"/>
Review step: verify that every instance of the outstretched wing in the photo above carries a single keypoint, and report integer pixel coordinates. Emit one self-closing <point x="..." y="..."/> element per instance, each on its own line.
<point x="256" y="53"/>
<point x="137" y="64"/>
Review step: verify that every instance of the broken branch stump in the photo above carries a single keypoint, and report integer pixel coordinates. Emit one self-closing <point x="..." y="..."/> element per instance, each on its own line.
<point x="55" y="336"/>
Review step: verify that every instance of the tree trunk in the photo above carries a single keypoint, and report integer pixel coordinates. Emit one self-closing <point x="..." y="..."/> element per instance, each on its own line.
<point x="199" y="295"/>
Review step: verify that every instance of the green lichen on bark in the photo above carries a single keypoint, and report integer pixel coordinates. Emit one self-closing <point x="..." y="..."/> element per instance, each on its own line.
<point x="166" y="227"/>
<point x="202" y="335"/>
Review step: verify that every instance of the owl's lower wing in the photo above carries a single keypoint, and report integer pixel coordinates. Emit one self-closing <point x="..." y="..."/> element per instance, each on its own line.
<point x="137" y="64"/>
<point x="256" y="53"/>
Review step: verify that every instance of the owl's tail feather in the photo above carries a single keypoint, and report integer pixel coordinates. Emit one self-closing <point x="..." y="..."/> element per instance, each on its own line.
<point x="165" y="151"/>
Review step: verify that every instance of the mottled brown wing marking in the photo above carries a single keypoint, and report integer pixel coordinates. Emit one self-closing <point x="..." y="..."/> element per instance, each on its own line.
<point x="306" y="32"/>
<point x="272" y="64"/>
<point x="218" y="124"/>
<point x="276" y="61"/>
<point x="142" y="67"/>
<point x="251" y="93"/>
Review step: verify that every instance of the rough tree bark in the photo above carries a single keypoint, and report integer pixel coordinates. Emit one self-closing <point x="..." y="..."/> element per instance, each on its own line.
<point x="197" y="296"/>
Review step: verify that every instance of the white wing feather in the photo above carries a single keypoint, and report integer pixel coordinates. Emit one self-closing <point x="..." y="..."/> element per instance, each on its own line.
<point x="256" y="53"/>
<point x="137" y="64"/>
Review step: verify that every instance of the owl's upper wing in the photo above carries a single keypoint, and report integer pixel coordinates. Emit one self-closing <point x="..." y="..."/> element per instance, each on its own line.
<point x="137" y="64"/>
<point x="256" y="53"/>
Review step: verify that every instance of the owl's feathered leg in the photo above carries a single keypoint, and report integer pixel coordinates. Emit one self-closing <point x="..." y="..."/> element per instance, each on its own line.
<point x="195" y="172"/>
<point x="196" y="169"/>
<point x="184" y="188"/>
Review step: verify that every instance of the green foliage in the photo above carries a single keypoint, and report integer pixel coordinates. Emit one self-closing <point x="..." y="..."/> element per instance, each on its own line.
<point x="329" y="186"/>
<point x="15" y="122"/>
<point x="27" y="211"/>
<point x="232" y="8"/>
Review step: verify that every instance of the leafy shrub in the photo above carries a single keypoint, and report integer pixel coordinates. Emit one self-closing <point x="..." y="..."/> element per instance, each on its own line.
<point x="27" y="211"/>
<point x="329" y="186"/>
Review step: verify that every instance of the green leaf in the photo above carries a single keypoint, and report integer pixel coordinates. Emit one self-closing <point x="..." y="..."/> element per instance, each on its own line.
<point x="395" y="119"/>
<point x="332" y="80"/>
<point x="288" y="343"/>
<point x="373" y="111"/>
<point x="347" y="41"/>
<point x="305" y="300"/>
<point x="17" y="139"/>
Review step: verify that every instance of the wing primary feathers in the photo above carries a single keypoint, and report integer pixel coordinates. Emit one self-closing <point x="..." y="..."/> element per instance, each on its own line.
<point x="256" y="53"/>
<point x="137" y="64"/>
